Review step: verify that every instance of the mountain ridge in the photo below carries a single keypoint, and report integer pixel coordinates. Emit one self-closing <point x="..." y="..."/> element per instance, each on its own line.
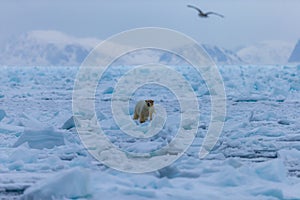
<point x="266" y="52"/>
<point x="52" y="48"/>
<point x="55" y="48"/>
<point x="295" y="55"/>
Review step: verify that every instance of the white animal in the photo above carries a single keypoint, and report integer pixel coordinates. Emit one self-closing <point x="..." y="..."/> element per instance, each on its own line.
<point x="143" y="110"/>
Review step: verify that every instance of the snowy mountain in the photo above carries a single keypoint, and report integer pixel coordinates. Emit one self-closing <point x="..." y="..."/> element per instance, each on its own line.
<point x="295" y="55"/>
<point x="46" y="48"/>
<point x="53" y="48"/>
<point x="221" y="55"/>
<point x="266" y="52"/>
<point x="218" y="55"/>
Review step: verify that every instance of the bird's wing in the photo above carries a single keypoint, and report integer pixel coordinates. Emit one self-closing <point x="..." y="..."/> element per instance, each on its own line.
<point x="191" y="6"/>
<point x="213" y="13"/>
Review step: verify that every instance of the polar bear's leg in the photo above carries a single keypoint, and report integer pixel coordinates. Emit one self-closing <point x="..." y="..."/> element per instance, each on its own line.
<point x="151" y="111"/>
<point x="142" y="119"/>
<point x="136" y="116"/>
<point x="137" y="110"/>
<point x="144" y="114"/>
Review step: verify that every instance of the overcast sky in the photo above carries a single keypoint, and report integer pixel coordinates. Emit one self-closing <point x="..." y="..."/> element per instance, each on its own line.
<point x="245" y="22"/>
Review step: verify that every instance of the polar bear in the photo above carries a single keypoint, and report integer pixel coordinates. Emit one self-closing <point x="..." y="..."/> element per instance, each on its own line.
<point x="143" y="110"/>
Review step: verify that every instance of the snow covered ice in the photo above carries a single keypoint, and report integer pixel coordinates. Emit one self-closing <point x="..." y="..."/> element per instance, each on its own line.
<point x="256" y="157"/>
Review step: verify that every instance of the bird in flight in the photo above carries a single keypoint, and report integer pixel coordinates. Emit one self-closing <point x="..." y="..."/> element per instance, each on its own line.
<point x="202" y="14"/>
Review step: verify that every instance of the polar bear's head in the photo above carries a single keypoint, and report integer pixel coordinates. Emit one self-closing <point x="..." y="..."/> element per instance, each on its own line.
<point x="149" y="103"/>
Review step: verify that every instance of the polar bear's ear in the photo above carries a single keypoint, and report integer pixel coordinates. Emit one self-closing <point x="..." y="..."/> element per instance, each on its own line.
<point x="151" y="102"/>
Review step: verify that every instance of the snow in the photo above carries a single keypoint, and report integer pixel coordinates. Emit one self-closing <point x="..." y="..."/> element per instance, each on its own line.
<point x="46" y="48"/>
<point x="39" y="139"/>
<point x="55" y="48"/>
<point x="256" y="157"/>
<point x="70" y="184"/>
<point x="70" y="123"/>
<point x="294" y="57"/>
<point x="267" y="52"/>
<point x="2" y="114"/>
